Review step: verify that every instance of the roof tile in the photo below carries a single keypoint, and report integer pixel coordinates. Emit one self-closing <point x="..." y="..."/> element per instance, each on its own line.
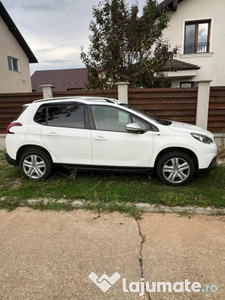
<point x="63" y="80"/>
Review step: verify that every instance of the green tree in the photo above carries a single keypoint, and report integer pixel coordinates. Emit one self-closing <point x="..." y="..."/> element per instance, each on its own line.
<point x="127" y="47"/>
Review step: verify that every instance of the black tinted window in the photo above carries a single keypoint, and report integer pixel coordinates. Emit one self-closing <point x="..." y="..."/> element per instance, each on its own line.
<point x="71" y="115"/>
<point x="40" y="116"/>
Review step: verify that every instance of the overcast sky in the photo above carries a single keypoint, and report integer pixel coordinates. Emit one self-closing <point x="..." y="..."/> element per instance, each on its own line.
<point x="55" y="30"/>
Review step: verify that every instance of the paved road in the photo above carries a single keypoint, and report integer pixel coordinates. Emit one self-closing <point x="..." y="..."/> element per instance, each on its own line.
<point x="50" y="255"/>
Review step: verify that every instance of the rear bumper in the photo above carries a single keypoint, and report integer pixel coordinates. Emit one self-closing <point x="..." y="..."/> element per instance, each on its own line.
<point x="10" y="160"/>
<point x="211" y="167"/>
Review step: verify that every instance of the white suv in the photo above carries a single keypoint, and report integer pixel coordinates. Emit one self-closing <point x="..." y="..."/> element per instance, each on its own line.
<point x="104" y="134"/>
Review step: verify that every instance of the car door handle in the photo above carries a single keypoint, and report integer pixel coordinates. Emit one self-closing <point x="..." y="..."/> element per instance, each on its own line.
<point x="100" y="138"/>
<point x="52" y="134"/>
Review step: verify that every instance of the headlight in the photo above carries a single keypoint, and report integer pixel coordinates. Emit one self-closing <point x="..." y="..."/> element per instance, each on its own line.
<point x="202" y="138"/>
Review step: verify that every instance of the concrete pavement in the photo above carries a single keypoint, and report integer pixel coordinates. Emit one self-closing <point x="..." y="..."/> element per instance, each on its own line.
<point x="50" y="255"/>
<point x="179" y="248"/>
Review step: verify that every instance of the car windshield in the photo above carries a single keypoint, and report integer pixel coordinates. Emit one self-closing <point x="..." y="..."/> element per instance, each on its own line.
<point x="149" y="116"/>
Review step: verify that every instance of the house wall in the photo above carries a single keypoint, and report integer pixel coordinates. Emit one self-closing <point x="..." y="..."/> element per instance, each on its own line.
<point x="212" y="64"/>
<point x="12" y="81"/>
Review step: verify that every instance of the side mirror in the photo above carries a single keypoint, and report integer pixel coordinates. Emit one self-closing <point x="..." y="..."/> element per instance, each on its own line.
<point x="134" y="128"/>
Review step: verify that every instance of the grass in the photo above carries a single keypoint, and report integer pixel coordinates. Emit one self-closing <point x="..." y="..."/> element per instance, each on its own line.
<point x="107" y="192"/>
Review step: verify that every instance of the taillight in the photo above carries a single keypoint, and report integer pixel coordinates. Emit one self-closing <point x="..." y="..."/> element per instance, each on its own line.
<point x="12" y="125"/>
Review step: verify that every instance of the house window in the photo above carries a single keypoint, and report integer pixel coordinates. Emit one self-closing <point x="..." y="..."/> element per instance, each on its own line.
<point x="13" y="64"/>
<point x="197" y="37"/>
<point x="187" y="84"/>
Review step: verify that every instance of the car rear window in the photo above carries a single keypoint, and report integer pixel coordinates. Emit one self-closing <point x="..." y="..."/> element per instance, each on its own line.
<point x="40" y="116"/>
<point x="69" y="115"/>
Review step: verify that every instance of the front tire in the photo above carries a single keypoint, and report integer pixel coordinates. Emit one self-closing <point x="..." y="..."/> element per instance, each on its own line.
<point x="35" y="164"/>
<point x="175" y="168"/>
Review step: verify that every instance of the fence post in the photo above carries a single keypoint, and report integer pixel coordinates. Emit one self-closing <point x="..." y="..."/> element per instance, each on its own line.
<point x="123" y="91"/>
<point x="203" y="103"/>
<point x="47" y="90"/>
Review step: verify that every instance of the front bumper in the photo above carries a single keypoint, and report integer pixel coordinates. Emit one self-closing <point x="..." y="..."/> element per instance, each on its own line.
<point x="211" y="167"/>
<point x="10" y="160"/>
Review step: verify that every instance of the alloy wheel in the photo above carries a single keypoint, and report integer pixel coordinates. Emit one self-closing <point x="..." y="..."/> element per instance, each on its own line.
<point x="34" y="166"/>
<point x="176" y="170"/>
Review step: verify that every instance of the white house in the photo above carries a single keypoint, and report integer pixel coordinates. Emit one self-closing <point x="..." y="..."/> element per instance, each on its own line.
<point x="198" y="27"/>
<point x="15" y="56"/>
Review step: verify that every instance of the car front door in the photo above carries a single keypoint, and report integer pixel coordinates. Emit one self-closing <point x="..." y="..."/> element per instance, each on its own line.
<point x="113" y="145"/>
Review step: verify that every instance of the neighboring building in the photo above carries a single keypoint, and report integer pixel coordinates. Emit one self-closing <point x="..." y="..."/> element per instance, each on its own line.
<point x="15" y="57"/>
<point x="198" y="27"/>
<point x="62" y="80"/>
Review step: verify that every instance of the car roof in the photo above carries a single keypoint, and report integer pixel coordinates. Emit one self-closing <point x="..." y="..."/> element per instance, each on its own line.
<point x="84" y="99"/>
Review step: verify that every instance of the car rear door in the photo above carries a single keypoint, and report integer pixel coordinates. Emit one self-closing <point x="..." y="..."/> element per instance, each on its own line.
<point x="66" y="134"/>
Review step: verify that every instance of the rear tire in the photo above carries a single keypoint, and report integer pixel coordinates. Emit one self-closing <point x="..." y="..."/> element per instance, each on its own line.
<point x="175" y="168"/>
<point x="35" y="164"/>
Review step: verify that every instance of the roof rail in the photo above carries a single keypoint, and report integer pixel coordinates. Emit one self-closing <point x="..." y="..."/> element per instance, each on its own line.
<point x="100" y="99"/>
<point x="52" y="99"/>
<point x="86" y="98"/>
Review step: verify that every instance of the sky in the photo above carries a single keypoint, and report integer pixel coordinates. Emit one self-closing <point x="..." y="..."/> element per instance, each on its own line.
<point x="55" y="30"/>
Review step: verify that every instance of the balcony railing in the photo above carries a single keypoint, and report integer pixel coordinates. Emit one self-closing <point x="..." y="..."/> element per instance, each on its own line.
<point x="196" y="48"/>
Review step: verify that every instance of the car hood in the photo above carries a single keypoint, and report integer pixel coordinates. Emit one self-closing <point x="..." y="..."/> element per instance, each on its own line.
<point x="188" y="128"/>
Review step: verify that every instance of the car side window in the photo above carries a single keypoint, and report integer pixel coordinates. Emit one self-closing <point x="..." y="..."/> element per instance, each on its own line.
<point x="69" y="115"/>
<point x="144" y="125"/>
<point x="40" y="116"/>
<point x="110" y="118"/>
